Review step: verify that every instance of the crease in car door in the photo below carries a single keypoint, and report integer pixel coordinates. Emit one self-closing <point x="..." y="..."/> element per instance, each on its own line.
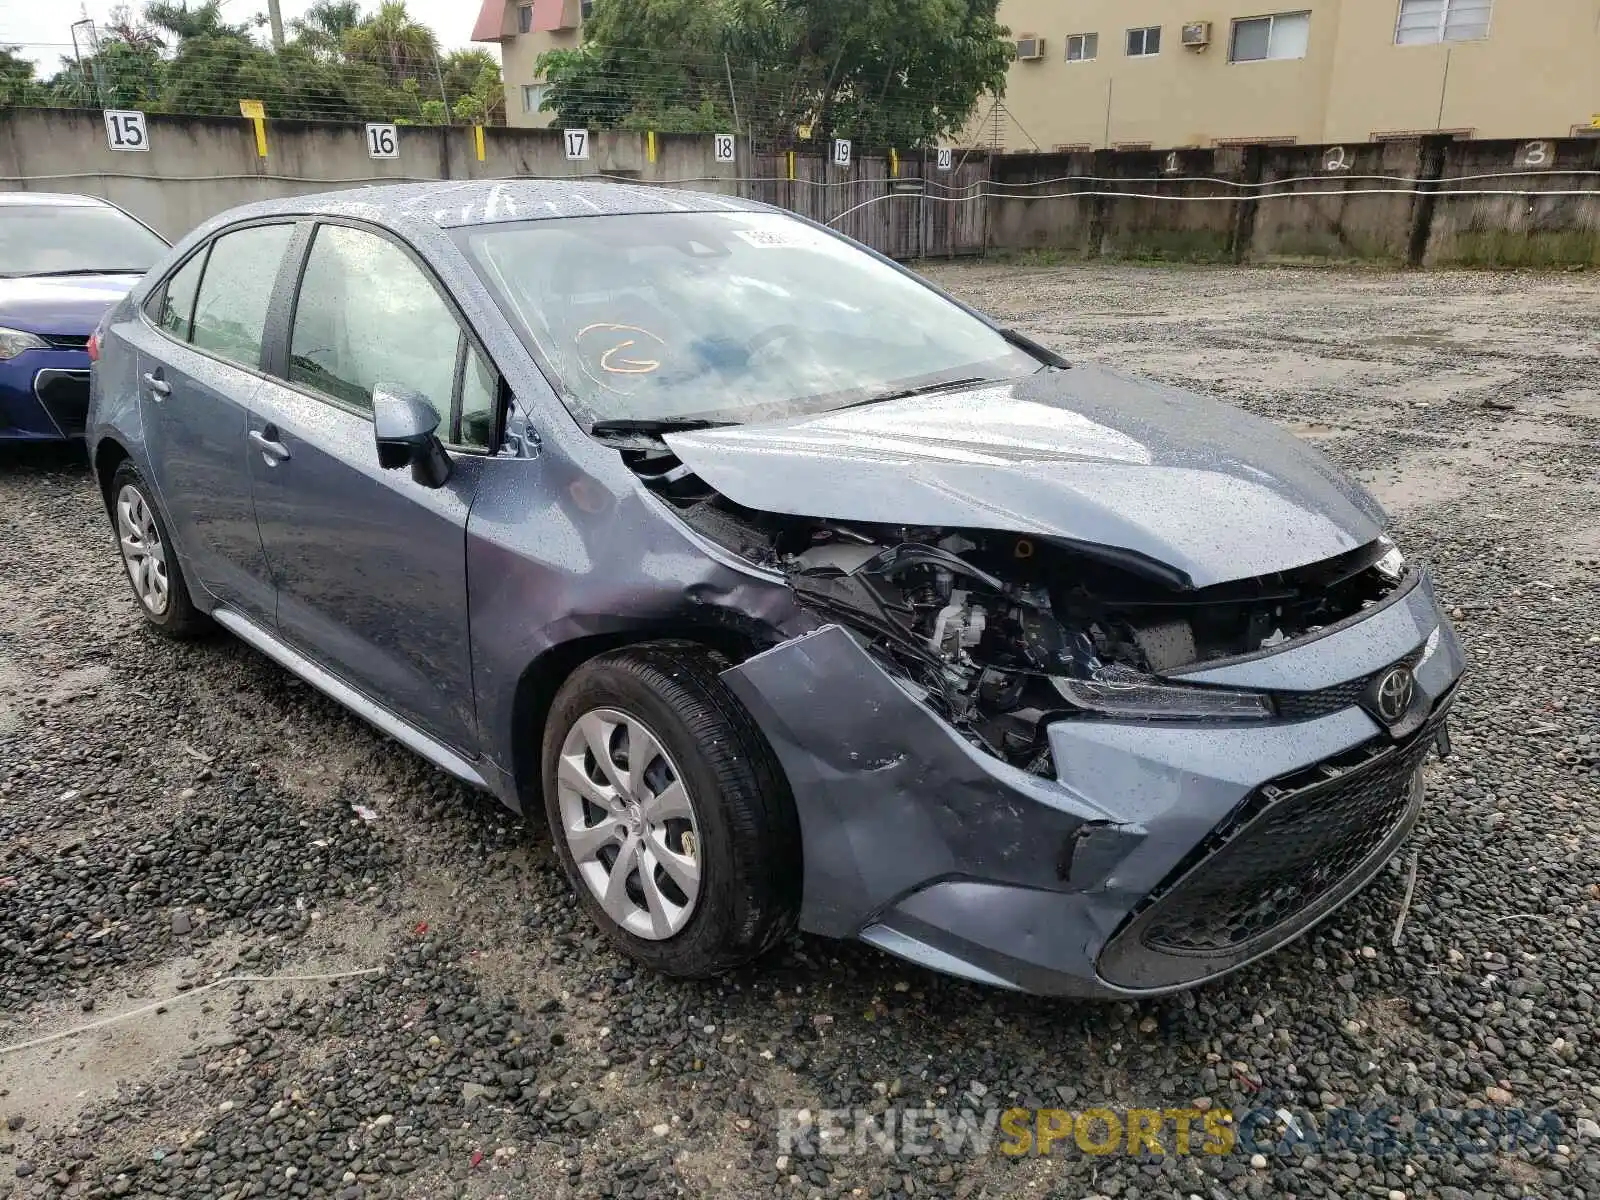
<point x="196" y="386"/>
<point x="370" y="565"/>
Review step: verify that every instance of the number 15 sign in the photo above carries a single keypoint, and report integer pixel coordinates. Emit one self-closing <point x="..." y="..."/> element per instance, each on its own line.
<point x="126" y="131"/>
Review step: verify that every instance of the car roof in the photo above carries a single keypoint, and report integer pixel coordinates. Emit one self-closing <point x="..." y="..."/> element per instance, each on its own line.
<point x="53" y="200"/>
<point x="453" y="205"/>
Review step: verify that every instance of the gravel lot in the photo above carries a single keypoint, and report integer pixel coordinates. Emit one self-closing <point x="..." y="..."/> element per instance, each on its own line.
<point x="169" y="815"/>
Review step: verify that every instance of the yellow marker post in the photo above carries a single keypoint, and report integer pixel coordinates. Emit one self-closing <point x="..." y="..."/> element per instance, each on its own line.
<point x="477" y="143"/>
<point x="1594" y="121"/>
<point x="650" y="145"/>
<point x="257" y="113"/>
<point x="894" y="164"/>
<point x="791" y="166"/>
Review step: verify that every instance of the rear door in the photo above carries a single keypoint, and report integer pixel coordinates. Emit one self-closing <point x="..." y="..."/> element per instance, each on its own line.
<point x="199" y="365"/>
<point x="370" y="565"/>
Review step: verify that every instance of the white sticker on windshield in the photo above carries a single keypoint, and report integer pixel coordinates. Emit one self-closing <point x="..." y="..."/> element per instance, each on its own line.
<point x="765" y="238"/>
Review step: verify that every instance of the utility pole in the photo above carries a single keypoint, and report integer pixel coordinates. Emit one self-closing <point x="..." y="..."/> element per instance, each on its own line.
<point x="275" y="15"/>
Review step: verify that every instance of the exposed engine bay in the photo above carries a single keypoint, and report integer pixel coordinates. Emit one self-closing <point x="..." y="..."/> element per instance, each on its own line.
<point x="1002" y="634"/>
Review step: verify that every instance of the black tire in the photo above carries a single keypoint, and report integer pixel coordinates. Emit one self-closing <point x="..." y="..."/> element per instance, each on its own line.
<point x="180" y="618"/>
<point x="748" y="833"/>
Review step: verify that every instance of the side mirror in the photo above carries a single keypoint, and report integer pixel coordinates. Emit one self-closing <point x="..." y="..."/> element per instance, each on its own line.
<point x="404" y="424"/>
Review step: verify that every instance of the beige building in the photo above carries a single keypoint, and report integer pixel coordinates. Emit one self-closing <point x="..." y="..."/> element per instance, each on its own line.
<point x="525" y="29"/>
<point x="1172" y="73"/>
<point x="1164" y="73"/>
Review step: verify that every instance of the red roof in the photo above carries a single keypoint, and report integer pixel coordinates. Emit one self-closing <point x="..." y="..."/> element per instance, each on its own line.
<point x="491" y="24"/>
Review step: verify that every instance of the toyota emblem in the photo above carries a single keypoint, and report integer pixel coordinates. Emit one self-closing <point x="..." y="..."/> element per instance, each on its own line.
<point x="1394" y="694"/>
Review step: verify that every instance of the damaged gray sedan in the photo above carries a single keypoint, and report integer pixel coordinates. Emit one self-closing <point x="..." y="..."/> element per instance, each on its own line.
<point x="792" y="590"/>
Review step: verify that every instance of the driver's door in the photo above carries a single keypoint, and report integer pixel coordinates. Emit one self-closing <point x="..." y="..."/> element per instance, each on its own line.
<point x="370" y="565"/>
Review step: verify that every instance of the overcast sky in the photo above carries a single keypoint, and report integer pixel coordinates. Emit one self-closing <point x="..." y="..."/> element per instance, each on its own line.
<point x="42" y="27"/>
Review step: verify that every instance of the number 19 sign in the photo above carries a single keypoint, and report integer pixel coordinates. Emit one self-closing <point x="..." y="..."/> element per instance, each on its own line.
<point x="126" y="130"/>
<point x="383" y="141"/>
<point x="841" y="152"/>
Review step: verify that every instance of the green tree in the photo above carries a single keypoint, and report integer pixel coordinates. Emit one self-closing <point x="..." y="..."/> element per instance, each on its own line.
<point x="472" y="81"/>
<point x="183" y="22"/>
<point x="884" y="72"/>
<point x="392" y="40"/>
<point x="322" y="30"/>
<point x="17" y="84"/>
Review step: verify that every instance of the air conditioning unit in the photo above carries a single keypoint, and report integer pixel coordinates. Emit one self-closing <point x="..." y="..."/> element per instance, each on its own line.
<point x="1030" y="47"/>
<point x="1197" y="35"/>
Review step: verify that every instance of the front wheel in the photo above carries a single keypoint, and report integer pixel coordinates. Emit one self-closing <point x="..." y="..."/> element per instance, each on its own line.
<point x="669" y="811"/>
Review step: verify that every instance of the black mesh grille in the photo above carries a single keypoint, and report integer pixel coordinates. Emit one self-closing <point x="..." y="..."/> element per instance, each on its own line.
<point x="1303" y="706"/>
<point x="63" y="341"/>
<point x="1293" y="843"/>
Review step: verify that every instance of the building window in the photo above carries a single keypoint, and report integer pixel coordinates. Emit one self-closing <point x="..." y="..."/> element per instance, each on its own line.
<point x="1426" y="22"/>
<point x="533" y="95"/>
<point x="1082" y="47"/>
<point x="1142" y="43"/>
<point x="1282" y="35"/>
<point x="525" y="19"/>
<point x="585" y="9"/>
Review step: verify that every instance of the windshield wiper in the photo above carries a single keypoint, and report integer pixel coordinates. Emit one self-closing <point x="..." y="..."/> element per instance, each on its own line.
<point x="78" y="271"/>
<point x="648" y="426"/>
<point x="1026" y="344"/>
<point x="926" y="389"/>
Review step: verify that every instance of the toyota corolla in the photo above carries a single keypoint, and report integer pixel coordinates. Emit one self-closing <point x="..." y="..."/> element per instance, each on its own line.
<point x="792" y="590"/>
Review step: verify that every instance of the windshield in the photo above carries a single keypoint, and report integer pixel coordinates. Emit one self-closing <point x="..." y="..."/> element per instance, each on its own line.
<point x="62" y="239"/>
<point x="724" y="317"/>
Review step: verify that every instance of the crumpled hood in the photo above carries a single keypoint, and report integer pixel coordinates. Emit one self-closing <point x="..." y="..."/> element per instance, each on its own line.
<point x="1087" y="455"/>
<point x="70" y="305"/>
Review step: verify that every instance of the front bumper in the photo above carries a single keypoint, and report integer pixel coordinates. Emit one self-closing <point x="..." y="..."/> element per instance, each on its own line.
<point x="1162" y="855"/>
<point x="44" y="395"/>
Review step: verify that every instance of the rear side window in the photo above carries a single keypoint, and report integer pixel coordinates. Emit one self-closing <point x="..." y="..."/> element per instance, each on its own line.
<point x="367" y="316"/>
<point x="230" y="314"/>
<point x="176" y="311"/>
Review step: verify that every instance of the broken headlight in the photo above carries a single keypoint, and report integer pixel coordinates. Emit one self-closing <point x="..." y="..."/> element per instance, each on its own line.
<point x="1117" y="692"/>
<point x="1393" y="563"/>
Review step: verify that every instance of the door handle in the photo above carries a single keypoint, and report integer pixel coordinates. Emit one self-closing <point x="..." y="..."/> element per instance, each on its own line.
<point x="159" y="387"/>
<point x="273" y="451"/>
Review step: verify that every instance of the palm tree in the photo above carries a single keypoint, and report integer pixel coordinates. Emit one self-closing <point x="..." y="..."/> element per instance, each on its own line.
<point x="403" y="47"/>
<point x="322" y="30"/>
<point x="183" y="22"/>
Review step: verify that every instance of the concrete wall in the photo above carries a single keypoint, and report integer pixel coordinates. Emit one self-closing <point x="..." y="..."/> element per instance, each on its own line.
<point x="1418" y="201"/>
<point x="199" y="166"/>
<point x="1427" y="201"/>
<point x="1536" y="74"/>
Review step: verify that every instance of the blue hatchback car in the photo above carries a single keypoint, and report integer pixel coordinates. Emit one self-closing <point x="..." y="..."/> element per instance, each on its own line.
<point x="64" y="260"/>
<point x="791" y="589"/>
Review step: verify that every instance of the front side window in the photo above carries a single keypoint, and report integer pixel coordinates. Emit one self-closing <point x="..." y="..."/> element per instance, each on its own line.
<point x="1423" y="22"/>
<point x="525" y="19"/>
<point x="724" y="316"/>
<point x="175" y="313"/>
<point x="1281" y="35"/>
<point x="368" y="316"/>
<point x="480" y="395"/>
<point x="533" y="95"/>
<point x="230" y="311"/>
<point x="1142" y="43"/>
<point x="1081" y="47"/>
<point x="74" y="239"/>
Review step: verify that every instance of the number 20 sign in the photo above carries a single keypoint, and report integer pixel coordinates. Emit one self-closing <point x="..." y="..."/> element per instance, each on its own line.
<point x="126" y="131"/>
